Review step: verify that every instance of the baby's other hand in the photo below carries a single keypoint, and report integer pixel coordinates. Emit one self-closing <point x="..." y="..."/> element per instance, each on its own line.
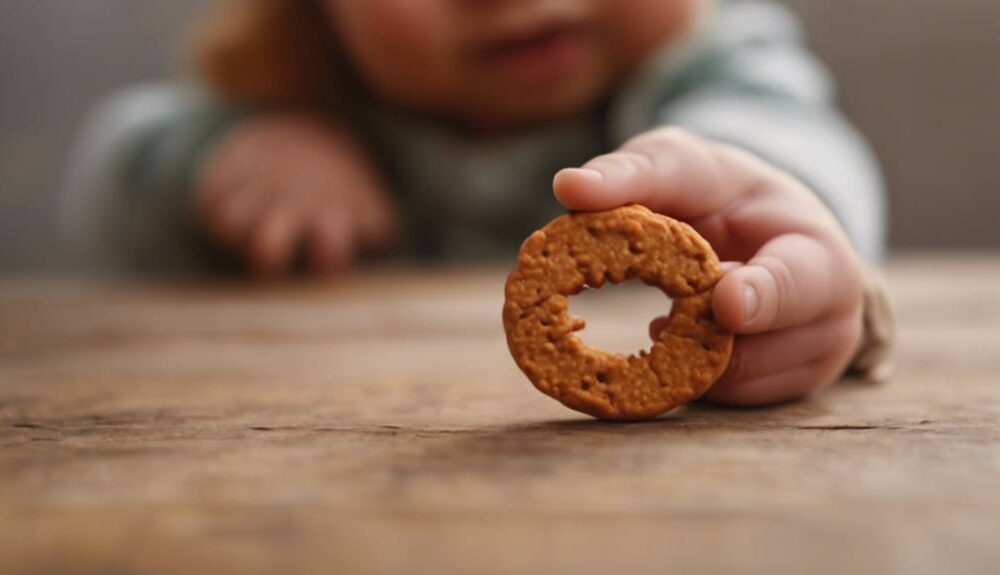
<point x="794" y="297"/>
<point x="287" y="187"/>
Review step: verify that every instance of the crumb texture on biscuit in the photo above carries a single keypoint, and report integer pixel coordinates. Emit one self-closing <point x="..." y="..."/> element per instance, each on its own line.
<point x="578" y="250"/>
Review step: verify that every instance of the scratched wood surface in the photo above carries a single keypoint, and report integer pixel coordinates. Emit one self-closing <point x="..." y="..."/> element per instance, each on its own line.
<point x="378" y="425"/>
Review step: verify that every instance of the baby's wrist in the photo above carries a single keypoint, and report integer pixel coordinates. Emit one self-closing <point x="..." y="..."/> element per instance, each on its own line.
<point x="874" y="359"/>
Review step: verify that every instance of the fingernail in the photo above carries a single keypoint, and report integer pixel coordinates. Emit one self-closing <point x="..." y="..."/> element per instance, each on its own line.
<point x="589" y="174"/>
<point x="751" y="302"/>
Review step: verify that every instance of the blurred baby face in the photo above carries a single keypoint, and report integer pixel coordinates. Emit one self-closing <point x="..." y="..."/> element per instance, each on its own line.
<point x="500" y="63"/>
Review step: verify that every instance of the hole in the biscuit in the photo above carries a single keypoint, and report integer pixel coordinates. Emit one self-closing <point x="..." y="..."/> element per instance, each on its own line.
<point x="635" y="249"/>
<point x="545" y="253"/>
<point x="602" y="377"/>
<point x="618" y="316"/>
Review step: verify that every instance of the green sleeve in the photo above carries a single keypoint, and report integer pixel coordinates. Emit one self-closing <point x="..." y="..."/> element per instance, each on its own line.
<point x="127" y="204"/>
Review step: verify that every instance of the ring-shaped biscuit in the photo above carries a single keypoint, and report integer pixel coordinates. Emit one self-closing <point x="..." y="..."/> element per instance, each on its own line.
<point x="586" y="249"/>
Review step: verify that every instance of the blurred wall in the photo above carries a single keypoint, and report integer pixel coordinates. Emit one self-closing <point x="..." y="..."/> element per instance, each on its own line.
<point x="921" y="77"/>
<point x="58" y="58"/>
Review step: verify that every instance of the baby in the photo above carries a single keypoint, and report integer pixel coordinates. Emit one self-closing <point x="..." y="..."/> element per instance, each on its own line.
<point x="331" y="129"/>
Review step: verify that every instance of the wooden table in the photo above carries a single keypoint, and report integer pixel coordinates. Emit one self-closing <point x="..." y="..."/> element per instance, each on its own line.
<point x="379" y="425"/>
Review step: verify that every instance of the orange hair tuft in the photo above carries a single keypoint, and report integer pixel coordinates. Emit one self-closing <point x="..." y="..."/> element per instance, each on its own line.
<point x="269" y="53"/>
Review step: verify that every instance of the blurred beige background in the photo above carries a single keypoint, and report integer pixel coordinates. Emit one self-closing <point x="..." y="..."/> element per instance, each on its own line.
<point x="921" y="78"/>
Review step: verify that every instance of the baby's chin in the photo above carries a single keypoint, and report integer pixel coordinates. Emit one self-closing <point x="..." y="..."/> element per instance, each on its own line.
<point x="506" y="110"/>
<point x="487" y="104"/>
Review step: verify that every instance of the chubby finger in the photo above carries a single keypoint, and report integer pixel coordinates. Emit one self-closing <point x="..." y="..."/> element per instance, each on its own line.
<point x="232" y="218"/>
<point x="735" y="200"/>
<point x="670" y="171"/>
<point x="331" y="241"/>
<point x="271" y="248"/>
<point x="782" y="365"/>
<point x="778" y="387"/>
<point x="759" y="355"/>
<point x="230" y="168"/>
<point x="374" y="220"/>
<point x="793" y="279"/>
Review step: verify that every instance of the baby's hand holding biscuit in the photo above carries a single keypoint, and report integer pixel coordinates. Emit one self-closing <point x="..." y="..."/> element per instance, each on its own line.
<point x="794" y="298"/>
<point x="581" y="250"/>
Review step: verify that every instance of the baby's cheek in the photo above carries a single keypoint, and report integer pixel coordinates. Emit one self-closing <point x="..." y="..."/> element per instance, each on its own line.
<point x="638" y="27"/>
<point x="395" y="45"/>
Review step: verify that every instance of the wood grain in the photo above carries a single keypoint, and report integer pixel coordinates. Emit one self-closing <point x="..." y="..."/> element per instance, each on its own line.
<point x="379" y="425"/>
